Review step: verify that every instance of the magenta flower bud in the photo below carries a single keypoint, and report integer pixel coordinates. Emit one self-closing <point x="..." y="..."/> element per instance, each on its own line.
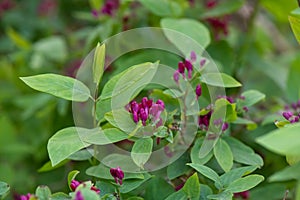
<point x="144" y="102"/>
<point x="287" y="114"/>
<point x="198" y="91"/>
<point x="224" y="126"/>
<point x="78" y="196"/>
<point x="25" y="197"/>
<point x="181" y="67"/>
<point x="149" y="103"/>
<point x="143" y="116"/>
<point x="135" y="117"/>
<point x="95" y="13"/>
<point x="193" y="56"/>
<point x="118" y="174"/>
<point x="161" y="103"/>
<point x="95" y="189"/>
<point x="294" y="106"/>
<point x="188" y="65"/>
<point x="176" y="76"/>
<point x="134" y="106"/>
<point x="243" y="195"/>
<point x="202" y="62"/>
<point x="74" y="184"/>
<point x="245" y="108"/>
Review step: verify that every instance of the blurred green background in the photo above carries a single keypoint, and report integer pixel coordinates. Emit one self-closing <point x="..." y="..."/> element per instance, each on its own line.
<point x="254" y="44"/>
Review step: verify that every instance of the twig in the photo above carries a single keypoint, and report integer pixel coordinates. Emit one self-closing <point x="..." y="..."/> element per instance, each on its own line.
<point x="287" y="191"/>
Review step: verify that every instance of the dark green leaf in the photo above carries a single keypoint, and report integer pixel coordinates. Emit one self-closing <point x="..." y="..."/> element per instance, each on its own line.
<point x="178" y="167"/>
<point x="152" y="189"/>
<point x="288" y="173"/>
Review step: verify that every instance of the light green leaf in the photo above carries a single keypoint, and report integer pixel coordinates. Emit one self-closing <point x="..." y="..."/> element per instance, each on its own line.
<point x="60" y="196"/>
<point x="189" y="28"/>
<point x="195" y="153"/>
<point x="284" y="141"/>
<point x="207" y="172"/>
<point x="98" y="64"/>
<point x="223" y="155"/>
<point x="141" y="151"/>
<point x="246" y="183"/>
<point x="205" y="190"/>
<point x="226" y="195"/>
<point x="106" y="136"/>
<point x="71" y="176"/>
<point x="192" y="187"/>
<point x="242" y="153"/>
<point x="82" y="155"/>
<point x="251" y="97"/>
<point x="4" y="189"/>
<point x="87" y="193"/>
<point x="121" y="118"/>
<point x="179" y="195"/>
<point x="67" y="141"/>
<point x="164" y="8"/>
<point x="251" y="125"/>
<point x="43" y="192"/>
<point x="235" y="174"/>
<point x="61" y="86"/>
<point x="220" y="80"/>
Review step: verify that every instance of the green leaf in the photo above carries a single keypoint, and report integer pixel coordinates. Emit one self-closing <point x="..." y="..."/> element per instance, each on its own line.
<point x="223" y="155"/>
<point x="4" y="189"/>
<point x="178" y="167"/>
<point x="223" y="8"/>
<point x="251" y="97"/>
<point x="71" y="176"/>
<point x="246" y="183"/>
<point x="251" y="125"/>
<point x="135" y="198"/>
<point x="19" y="40"/>
<point x="205" y="190"/>
<point x="103" y="172"/>
<point x="58" y="85"/>
<point x="190" y="28"/>
<point x="195" y="153"/>
<point x="220" y="80"/>
<point x="106" y="188"/>
<point x="226" y="195"/>
<point x="59" y="196"/>
<point x="288" y="173"/>
<point x="82" y="155"/>
<point x="141" y="151"/>
<point x="66" y="142"/>
<point x="207" y="172"/>
<point x="164" y="189"/>
<point x="129" y="185"/>
<point x="121" y="118"/>
<point x="284" y="141"/>
<point x="87" y="193"/>
<point x="106" y="136"/>
<point x="43" y="192"/>
<point x="242" y="153"/>
<point x="53" y="48"/>
<point x="98" y="64"/>
<point x="192" y="187"/>
<point x="162" y="8"/>
<point x="235" y="174"/>
<point x="179" y="195"/>
<point x="48" y="167"/>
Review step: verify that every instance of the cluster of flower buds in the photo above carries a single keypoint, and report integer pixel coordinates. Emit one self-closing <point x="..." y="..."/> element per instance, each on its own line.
<point x="203" y="120"/>
<point x="147" y="109"/>
<point x="288" y="115"/>
<point x="118" y="174"/>
<point x="74" y="184"/>
<point x="294" y="107"/>
<point x="219" y="24"/>
<point x="109" y="7"/>
<point x="26" y="197"/>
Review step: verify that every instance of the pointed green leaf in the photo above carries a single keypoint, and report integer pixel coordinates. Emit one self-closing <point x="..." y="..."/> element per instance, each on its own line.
<point x="71" y="176"/>
<point x="141" y="151"/>
<point x="221" y="196"/>
<point x="223" y="155"/>
<point x="246" y="183"/>
<point x="192" y="187"/>
<point x="98" y="64"/>
<point x="66" y="142"/>
<point x="43" y="192"/>
<point x="235" y="174"/>
<point x="295" y="24"/>
<point x="61" y="86"/>
<point x="251" y="97"/>
<point x="220" y="80"/>
<point x="288" y="173"/>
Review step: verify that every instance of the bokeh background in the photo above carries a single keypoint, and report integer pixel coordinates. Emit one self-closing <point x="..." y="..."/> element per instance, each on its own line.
<point x="250" y="40"/>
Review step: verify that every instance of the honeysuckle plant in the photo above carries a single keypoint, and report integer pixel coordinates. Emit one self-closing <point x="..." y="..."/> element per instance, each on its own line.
<point x="215" y="166"/>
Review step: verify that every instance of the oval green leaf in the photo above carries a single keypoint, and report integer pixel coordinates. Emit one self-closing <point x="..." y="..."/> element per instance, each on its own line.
<point x="98" y="64"/>
<point x="61" y="86"/>
<point x="223" y="155"/>
<point x="141" y="151"/>
<point x="246" y="183"/>
<point x="220" y="80"/>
